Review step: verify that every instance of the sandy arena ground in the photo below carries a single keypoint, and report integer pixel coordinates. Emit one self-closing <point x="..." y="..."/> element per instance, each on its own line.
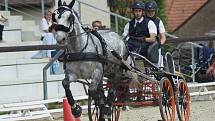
<point x="200" y="111"/>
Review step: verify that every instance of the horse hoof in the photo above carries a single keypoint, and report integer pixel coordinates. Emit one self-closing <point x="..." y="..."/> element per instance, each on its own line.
<point x="77" y="111"/>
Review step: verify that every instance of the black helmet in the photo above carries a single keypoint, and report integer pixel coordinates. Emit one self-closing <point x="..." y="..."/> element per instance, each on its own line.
<point x="151" y="5"/>
<point x="138" y="5"/>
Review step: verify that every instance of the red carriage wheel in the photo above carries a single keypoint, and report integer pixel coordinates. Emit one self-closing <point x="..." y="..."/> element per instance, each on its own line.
<point x="183" y="104"/>
<point x="167" y="100"/>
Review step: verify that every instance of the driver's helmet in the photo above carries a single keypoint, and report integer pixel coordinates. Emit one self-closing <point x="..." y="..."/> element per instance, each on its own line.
<point x="151" y="5"/>
<point x="138" y="5"/>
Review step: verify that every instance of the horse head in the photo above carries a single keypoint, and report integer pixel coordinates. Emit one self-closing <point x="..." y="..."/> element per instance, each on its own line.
<point x="64" y="18"/>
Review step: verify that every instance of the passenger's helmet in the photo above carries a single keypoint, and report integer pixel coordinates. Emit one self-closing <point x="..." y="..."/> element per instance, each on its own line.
<point x="151" y="5"/>
<point x="138" y="5"/>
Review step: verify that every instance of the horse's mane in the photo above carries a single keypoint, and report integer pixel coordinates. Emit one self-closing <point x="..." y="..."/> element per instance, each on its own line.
<point x="76" y="14"/>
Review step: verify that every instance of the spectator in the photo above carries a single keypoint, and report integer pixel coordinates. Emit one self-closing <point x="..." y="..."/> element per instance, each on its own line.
<point x="45" y="23"/>
<point x="49" y="39"/>
<point x="44" y="30"/>
<point x="2" y="23"/>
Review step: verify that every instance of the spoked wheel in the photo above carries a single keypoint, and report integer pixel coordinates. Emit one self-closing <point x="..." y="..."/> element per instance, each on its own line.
<point x="94" y="111"/>
<point x="167" y="100"/>
<point x="183" y="106"/>
<point x="115" y="113"/>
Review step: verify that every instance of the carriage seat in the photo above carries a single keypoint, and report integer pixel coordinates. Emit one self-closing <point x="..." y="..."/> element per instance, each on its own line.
<point x="153" y="53"/>
<point x="169" y="62"/>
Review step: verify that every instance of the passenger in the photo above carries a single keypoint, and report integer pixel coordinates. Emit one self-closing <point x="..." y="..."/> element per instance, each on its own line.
<point x="140" y="32"/>
<point x="151" y="8"/>
<point x="49" y="39"/>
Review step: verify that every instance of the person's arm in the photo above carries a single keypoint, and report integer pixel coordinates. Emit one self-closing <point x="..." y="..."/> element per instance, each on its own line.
<point x="3" y="19"/>
<point x="126" y="31"/>
<point x="162" y="33"/>
<point x="44" y="26"/>
<point x="152" y="32"/>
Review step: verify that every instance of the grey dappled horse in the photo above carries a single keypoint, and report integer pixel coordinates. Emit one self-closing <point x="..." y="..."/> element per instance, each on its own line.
<point x="79" y="41"/>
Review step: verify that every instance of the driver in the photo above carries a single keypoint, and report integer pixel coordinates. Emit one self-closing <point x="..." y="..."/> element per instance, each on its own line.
<point x="140" y="32"/>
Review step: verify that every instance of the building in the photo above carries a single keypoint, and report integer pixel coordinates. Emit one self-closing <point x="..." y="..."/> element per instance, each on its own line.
<point x="191" y="18"/>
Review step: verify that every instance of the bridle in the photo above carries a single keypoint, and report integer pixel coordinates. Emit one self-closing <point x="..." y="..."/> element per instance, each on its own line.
<point x="60" y="27"/>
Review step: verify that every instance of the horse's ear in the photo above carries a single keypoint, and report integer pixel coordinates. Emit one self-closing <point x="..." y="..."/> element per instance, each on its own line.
<point x="64" y="3"/>
<point x="59" y="3"/>
<point x="71" y="4"/>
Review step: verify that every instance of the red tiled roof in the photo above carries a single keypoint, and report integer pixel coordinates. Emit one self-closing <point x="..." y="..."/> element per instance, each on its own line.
<point x="179" y="11"/>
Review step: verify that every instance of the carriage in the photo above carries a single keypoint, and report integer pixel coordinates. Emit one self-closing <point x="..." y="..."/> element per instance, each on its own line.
<point x="158" y="87"/>
<point x="132" y="78"/>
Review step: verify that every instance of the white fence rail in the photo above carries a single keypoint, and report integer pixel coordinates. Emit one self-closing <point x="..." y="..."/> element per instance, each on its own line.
<point x="201" y="89"/>
<point x="31" y="110"/>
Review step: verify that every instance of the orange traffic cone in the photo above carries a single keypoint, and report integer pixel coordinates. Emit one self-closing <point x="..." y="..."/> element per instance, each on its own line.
<point x="67" y="112"/>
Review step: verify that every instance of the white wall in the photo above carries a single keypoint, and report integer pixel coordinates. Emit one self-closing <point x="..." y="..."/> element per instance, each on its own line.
<point x="89" y="14"/>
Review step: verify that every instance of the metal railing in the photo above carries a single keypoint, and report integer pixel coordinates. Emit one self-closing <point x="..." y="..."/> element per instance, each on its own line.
<point x="45" y="87"/>
<point x="19" y="11"/>
<point x="193" y="46"/>
<point x="21" y="3"/>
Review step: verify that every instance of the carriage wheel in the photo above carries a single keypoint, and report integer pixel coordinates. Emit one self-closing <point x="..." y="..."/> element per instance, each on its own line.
<point x="167" y="100"/>
<point x="115" y="113"/>
<point x="183" y="106"/>
<point x="94" y="112"/>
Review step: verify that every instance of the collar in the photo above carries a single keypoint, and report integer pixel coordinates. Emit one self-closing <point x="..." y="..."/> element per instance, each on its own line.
<point x="140" y="20"/>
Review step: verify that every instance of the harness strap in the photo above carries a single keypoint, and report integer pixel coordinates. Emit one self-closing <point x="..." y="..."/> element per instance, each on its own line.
<point x="86" y="56"/>
<point x="102" y="41"/>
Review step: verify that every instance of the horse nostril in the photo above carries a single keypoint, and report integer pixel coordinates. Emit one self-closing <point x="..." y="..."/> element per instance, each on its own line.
<point x="64" y="39"/>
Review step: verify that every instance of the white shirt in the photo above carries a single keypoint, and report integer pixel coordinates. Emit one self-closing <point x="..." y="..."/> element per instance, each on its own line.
<point x="151" y="26"/>
<point x="44" y="25"/>
<point x="161" y="27"/>
<point x="49" y="39"/>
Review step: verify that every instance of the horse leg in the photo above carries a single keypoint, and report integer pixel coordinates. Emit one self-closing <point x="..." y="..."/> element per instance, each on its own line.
<point x="112" y="94"/>
<point x="96" y="91"/>
<point x="76" y="109"/>
<point x="96" y="87"/>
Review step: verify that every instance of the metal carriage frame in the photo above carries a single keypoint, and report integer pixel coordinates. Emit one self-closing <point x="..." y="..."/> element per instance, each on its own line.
<point x="158" y="86"/>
